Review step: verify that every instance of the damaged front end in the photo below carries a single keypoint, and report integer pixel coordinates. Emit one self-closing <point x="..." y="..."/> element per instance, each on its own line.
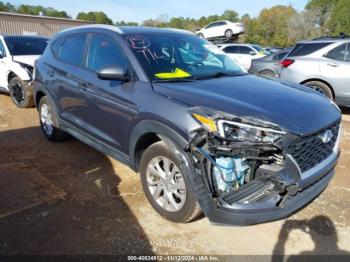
<point x="248" y="171"/>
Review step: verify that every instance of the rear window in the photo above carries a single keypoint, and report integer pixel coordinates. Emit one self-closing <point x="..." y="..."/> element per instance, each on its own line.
<point x="303" y="49"/>
<point x="72" y="50"/>
<point x="18" y="45"/>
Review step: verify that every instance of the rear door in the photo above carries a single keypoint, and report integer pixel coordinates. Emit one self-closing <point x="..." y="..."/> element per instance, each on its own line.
<point x="245" y="56"/>
<point x="335" y="66"/>
<point x="220" y="29"/>
<point x="108" y="112"/>
<point x="64" y="78"/>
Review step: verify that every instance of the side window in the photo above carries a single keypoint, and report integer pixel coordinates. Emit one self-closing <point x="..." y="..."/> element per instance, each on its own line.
<point x="104" y="51"/>
<point x="232" y="49"/>
<point x="56" y="47"/>
<point x="2" y="49"/>
<point x="72" y="50"/>
<point x="246" y="50"/>
<point x="306" y="49"/>
<point x="279" y="57"/>
<point x="338" y="53"/>
<point x="347" y="53"/>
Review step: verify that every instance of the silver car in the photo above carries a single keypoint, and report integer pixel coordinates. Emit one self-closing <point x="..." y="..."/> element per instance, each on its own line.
<point x="322" y="64"/>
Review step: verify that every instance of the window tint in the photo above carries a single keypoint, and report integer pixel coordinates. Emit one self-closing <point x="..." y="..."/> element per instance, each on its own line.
<point x="221" y="23"/>
<point x="25" y="45"/>
<point x="246" y="50"/>
<point x="2" y="49"/>
<point x="306" y="49"/>
<point x="337" y="53"/>
<point x="232" y="49"/>
<point x="279" y="56"/>
<point x="104" y="51"/>
<point x="347" y="53"/>
<point x="56" y="46"/>
<point x="72" y="50"/>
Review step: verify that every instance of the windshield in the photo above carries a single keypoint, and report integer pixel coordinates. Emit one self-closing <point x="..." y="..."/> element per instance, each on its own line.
<point x="26" y="45"/>
<point x="261" y="50"/>
<point x="179" y="56"/>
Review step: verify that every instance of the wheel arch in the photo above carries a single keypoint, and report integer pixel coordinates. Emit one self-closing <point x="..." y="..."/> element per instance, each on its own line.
<point x="322" y="81"/>
<point x="148" y="132"/>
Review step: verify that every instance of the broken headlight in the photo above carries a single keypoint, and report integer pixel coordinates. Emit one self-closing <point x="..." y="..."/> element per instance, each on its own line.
<point x="245" y="130"/>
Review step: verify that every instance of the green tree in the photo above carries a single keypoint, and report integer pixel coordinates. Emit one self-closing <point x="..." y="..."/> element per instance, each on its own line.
<point x="340" y="18"/>
<point x="95" y="17"/>
<point x="323" y="10"/>
<point x="230" y="15"/>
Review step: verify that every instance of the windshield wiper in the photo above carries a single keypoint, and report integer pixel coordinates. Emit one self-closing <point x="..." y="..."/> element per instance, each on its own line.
<point x="173" y="80"/>
<point x="217" y="75"/>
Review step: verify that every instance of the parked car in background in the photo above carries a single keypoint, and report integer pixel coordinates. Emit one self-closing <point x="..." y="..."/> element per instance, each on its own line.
<point x="244" y="53"/>
<point x="269" y="65"/>
<point x="323" y="65"/>
<point x="221" y="29"/>
<point x="17" y="57"/>
<point x="204" y="134"/>
<point x="273" y="49"/>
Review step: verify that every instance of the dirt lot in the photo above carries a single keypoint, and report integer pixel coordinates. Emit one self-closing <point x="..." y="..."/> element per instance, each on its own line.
<point x="67" y="198"/>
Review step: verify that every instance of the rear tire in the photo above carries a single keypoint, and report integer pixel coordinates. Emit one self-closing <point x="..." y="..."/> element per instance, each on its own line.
<point x="320" y="87"/>
<point x="21" y="93"/>
<point x="49" y="121"/>
<point x="228" y="33"/>
<point x="165" y="182"/>
<point x="267" y="73"/>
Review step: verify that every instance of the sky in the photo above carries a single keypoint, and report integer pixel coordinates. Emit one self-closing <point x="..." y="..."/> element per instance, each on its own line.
<point x="140" y="10"/>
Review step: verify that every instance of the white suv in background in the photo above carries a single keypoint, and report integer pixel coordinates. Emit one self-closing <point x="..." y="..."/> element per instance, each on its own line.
<point x="221" y="29"/>
<point x="243" y="54"/>
<point x="322" y="64"/>
<point x="17" y="57"/>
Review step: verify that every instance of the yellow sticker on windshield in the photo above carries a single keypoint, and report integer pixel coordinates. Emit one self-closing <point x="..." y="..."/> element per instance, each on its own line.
<point x="178" y="73"/>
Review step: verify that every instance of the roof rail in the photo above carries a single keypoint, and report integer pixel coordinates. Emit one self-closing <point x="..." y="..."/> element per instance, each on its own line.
<point x="340" y="36"/>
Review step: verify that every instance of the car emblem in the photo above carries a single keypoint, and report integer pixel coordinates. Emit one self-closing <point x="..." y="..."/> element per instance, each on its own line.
<point x="326" y="137"/>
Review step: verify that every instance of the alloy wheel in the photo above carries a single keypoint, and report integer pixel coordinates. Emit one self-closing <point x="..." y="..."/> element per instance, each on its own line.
<point x="46" y="119"/>
<point x="166" y="184"/>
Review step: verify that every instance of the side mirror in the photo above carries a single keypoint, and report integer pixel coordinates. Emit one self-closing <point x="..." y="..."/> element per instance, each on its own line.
<point x="252" y="53"/>
<point x="112" y="72"/>
<point x="2" y="55"/>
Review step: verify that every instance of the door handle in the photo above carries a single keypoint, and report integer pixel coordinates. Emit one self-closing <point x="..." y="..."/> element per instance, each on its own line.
<point x="333" y="64"/>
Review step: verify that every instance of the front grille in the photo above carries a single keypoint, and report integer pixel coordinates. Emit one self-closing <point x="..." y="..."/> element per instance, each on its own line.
<point x="308" y="151"/>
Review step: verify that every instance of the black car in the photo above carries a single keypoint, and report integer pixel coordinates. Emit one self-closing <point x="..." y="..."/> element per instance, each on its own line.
<point x="269" y="65"/>
<point x="204" y="135"/>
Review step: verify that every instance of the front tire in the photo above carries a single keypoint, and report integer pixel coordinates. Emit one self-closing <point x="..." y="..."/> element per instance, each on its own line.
<point x="320" y="87"/>
<point x="21" y="93"/>
<point x="165" y="182"/>
<point x="49" y="121"/>
<point x="201" y="35"/>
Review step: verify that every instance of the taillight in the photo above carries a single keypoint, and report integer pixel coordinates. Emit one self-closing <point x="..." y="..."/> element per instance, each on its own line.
<point x="287" y="62"/>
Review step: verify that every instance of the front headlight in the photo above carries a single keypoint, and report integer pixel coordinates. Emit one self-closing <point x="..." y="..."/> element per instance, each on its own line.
<point x="235" y="128"/>
<point x="246" y="132"/>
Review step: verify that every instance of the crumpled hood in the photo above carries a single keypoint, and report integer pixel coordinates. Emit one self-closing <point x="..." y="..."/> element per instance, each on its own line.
<point x="26" y="59"/>
<point x="293" y="107"/>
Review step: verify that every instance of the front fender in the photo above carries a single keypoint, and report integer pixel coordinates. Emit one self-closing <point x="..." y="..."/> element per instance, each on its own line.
<point x="19" y="71"/>
<point x="152" y="126"/>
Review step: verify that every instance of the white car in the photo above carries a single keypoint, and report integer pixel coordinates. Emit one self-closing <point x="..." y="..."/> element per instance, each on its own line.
<point x="221" y="29"/>
<point x="243" y="54"/>
<point x="17" y="58"/>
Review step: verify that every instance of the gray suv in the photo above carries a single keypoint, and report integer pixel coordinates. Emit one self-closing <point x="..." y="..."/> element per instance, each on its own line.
<point x="322" y="64"/>
<point x="204" y="135"/>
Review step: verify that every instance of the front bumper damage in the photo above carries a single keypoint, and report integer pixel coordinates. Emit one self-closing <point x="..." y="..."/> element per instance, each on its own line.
<point x="275" y="187"/>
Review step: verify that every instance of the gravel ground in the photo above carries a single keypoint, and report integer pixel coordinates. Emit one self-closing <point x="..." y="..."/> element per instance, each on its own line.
<point x="103" y="209"/>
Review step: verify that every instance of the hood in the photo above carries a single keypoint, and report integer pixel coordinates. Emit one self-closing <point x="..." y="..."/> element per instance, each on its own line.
<point x="294" y="108"/>
<point x="26" y="59"/>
